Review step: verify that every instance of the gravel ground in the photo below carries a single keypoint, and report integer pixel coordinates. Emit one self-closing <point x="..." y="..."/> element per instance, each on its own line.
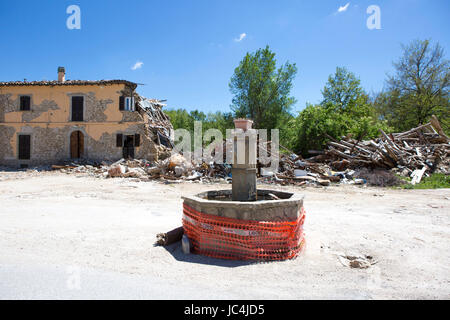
<point x="73" y="236"/>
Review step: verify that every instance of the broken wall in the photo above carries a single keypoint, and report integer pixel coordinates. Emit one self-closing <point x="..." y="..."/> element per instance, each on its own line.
<point x="49" y="124"/>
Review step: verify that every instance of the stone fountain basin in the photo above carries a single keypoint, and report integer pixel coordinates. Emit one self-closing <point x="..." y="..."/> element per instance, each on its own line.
<point x="219" y="203"/>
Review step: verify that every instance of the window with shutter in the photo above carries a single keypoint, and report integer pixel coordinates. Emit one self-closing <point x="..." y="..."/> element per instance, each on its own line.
<point x="25" y="103"/>
<point x="121" y="103"/>
<point x="77" y="108"/>
<point x="129" y="104"/>
<point x="119" y="140"/>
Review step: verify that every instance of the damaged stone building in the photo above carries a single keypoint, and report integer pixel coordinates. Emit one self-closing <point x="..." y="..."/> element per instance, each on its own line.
<point x="47" y="122"/>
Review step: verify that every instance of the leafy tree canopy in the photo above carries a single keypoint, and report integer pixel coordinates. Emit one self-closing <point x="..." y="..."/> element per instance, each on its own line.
<point x="419" y="87"/>
<point x="343" y="89"/>
<point x="261" y="90"/>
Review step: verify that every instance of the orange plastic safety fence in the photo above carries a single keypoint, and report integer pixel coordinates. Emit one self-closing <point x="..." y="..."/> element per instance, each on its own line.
<point x="227" y="238"/>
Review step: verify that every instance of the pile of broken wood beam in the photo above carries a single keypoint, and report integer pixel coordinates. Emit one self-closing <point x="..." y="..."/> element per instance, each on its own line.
<point x="414" y="153"/>
<point x="423" y="148"/>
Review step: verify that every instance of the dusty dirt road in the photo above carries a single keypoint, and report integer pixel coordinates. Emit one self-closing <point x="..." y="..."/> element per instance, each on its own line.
<point x="107" y="227"/>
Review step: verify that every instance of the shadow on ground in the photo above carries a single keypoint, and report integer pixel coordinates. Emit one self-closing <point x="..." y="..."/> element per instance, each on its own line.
<point x="176" y="251"/>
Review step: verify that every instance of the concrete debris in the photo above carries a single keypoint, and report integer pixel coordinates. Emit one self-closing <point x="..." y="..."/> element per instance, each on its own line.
<point x="116" y="171"/>
<point x="357" y="261"/>
<point x="416" y="153"/>
<point x="177" y="161"/>
<point x="179" y="171"/>
<point x="360" y="264"/>
<point x="410" y="153"/>
<point x="174" y="168"/>
<point x="167" y="238"/>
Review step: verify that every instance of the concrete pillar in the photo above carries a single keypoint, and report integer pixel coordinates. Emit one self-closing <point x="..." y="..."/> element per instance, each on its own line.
<point x="244" y="161"/>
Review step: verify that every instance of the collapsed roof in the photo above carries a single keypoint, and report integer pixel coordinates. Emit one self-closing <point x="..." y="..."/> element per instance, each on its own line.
<point x="157" y="120"/>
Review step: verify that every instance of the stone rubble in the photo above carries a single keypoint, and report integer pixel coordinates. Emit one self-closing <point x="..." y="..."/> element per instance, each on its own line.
<point x="417" y="152"/>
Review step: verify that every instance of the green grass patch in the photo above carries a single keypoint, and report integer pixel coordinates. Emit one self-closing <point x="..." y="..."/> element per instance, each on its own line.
<point x="435" y="181"/>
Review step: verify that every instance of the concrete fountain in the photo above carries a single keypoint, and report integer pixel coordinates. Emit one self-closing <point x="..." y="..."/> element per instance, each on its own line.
<point x="244" y="223"/>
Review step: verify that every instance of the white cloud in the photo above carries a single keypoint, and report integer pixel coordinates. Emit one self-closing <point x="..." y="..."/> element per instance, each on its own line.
<point x="241" y="37"/>
<point x="343" y="8"/>
<point x="137" y="65"/>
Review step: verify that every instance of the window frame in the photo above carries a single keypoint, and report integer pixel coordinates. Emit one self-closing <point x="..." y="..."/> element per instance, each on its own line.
<point x="20" y="102"/>
<point x="121" y="103"/>
<point x="71" y="108"/>
<point x="119" y="140"/>
<point x="18" y="146"/>
<point x="131" y="106"/>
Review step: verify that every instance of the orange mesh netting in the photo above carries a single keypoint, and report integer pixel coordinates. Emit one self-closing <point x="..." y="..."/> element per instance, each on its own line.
<point x="227" y="238"/>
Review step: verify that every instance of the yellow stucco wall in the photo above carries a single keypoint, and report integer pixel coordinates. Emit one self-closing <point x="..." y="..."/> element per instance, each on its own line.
<point x="94" y="130"/>
<point x="60" y="95"/>
<point x="59" y="118"/>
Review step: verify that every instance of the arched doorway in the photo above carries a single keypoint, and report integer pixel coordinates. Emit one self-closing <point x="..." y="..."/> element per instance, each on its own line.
<point x="76" y="144"/>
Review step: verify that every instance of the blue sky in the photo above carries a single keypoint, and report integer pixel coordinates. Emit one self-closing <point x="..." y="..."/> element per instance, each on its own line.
<point x="188" y="49"/>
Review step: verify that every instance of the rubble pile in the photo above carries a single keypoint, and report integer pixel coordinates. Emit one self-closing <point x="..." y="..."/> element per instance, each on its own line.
<point x="295" y="171"/>
<point x="415" y="153"/>
<point x="424" y="146"/>
<point x="173" y="168"/>
<point x="123" y="168"/>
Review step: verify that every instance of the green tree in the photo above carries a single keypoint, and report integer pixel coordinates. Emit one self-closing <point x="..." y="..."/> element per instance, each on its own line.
<point x="345" y="109"/>
<point x="219" y="120"/>
<point x="343" y="89"/>
<point x="315" y="124"/>
<point x="261" y="90"/>
<point x="181" y="119"/>
<point x="419" y="87"/>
